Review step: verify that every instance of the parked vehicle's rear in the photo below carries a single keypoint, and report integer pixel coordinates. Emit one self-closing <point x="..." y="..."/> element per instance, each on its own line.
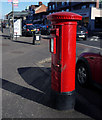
<point x="45" y="29"/>
<point x="29" y="29"/>
<point x="82" y="32"/>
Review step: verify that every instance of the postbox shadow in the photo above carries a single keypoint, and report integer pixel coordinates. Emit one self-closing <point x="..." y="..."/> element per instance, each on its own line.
<point x="89" y="101"/>
<point x="41" y="83"/>
<point x="23" y="42"/>
<point x="37" y="79"/>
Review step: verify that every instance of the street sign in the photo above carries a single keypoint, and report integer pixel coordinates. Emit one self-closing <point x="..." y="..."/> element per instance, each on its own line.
<point x="15" y="2"/>
<point x="9" y="0"/>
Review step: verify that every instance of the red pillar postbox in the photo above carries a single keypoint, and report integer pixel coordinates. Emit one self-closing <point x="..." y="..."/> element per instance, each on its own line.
<point x="63" y="49"/>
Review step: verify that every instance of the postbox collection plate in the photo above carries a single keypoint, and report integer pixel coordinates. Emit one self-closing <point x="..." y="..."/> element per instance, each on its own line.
<point x="53" y="45"/>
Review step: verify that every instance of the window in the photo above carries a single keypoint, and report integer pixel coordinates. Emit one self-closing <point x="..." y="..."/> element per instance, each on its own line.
<point x="67" y="10"/>
<point x="67" y="3"/>
<point x="63" y="3"/>
<point x="92" y="5"/>
<point x="53" y="6"/>
<point x="100" y="4"/>
<point x="49" y="7"/>
<point x="84" y="6"/>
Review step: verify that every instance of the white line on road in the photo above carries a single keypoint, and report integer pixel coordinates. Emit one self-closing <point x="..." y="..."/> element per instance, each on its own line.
<point x="92" y="39"/>
<point x="96" y="39"/>
<point x="90" y="46"/>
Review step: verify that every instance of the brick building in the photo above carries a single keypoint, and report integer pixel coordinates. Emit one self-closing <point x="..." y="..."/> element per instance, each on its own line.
<point x="37" y="13"/>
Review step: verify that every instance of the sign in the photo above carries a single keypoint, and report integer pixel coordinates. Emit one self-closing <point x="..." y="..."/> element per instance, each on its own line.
<point x="15" y="2"/>
<point x="17" y="27"/>
<point x="9" y="0"/>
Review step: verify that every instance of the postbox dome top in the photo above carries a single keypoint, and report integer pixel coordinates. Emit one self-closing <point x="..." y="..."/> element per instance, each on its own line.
<point x="64" y="16"/>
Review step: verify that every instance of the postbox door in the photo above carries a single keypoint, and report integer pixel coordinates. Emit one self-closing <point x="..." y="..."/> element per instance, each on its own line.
<point x="55" y="48"/>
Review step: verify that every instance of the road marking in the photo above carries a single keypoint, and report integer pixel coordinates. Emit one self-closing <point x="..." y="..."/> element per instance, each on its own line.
<point x="96" y="40"/>
<point x="92" y="39"/>
<point x="90" y="46"/>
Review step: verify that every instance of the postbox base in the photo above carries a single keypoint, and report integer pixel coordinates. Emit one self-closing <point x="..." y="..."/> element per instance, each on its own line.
<point x="63" y="101"/>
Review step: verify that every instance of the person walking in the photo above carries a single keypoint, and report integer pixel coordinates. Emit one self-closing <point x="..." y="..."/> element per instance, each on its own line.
<point x="2" y="27"/>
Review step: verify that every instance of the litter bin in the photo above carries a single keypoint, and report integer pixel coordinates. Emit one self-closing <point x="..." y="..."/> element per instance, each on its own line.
<point x="36" y="39"/>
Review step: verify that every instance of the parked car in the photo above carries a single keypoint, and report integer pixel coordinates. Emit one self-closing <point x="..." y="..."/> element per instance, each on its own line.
<point x="89" y="69"/>
<point x="29" y="29"/>
<point x="82" y="32"/>
<point x="45" y="29"/>
<point x="37" y="26"/>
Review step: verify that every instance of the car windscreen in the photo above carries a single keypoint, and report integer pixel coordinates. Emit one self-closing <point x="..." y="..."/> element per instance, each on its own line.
<point x="81" y="28"/>
<point x="30" y="27"/>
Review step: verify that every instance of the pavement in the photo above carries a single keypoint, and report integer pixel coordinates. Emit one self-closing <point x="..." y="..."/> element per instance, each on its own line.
<point x="26" y="83"/>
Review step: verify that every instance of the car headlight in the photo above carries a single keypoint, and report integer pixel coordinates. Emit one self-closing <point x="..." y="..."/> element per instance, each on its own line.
<point x="34" y="29"/>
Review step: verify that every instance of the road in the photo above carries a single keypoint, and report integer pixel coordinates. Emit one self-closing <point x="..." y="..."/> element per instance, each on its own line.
<point x="26" y="82"/>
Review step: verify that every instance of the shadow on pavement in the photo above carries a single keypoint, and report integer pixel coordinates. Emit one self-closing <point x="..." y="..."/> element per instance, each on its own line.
<point x="5" y="36"/>
<point x="23" y="42"/>
<point x="38" y="96"/>
<point x="88" y="100"/>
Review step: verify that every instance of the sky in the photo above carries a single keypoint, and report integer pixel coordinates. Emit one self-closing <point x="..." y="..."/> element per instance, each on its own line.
<point x="6" y="7"/>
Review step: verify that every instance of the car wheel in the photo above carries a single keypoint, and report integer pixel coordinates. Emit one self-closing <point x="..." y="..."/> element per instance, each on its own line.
<point x="85" y="38"/>
<point x="25" y="34"/>
<point x="82" y="74"/>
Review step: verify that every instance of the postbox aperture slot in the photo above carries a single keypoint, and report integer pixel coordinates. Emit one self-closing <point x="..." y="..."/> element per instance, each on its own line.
<point x="55" y="31"/>
<point x="53" y="45"/>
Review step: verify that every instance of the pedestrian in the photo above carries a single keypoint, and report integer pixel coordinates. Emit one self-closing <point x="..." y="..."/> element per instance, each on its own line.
<point x="2" y="27"/>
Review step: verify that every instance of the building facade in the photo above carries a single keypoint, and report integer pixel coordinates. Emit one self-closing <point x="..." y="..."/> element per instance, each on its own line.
<point x="37" y="12"/>
<point x="91" y="12"/>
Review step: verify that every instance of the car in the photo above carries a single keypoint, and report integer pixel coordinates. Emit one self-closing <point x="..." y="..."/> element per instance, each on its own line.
<point x="29" y="29"/>
<point x="37" y="26"/>
<point x="89" y="69"/>
<point x="45" y="29"/>
<point x="82" y="32"/>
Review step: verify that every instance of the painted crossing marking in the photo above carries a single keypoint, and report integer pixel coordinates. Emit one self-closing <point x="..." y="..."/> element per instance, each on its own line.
<point x="94" y="38"/>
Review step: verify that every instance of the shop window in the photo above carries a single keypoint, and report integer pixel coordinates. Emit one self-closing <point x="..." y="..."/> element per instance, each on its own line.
<point x="92" y="5"/>
<point x="98" y="22"/>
